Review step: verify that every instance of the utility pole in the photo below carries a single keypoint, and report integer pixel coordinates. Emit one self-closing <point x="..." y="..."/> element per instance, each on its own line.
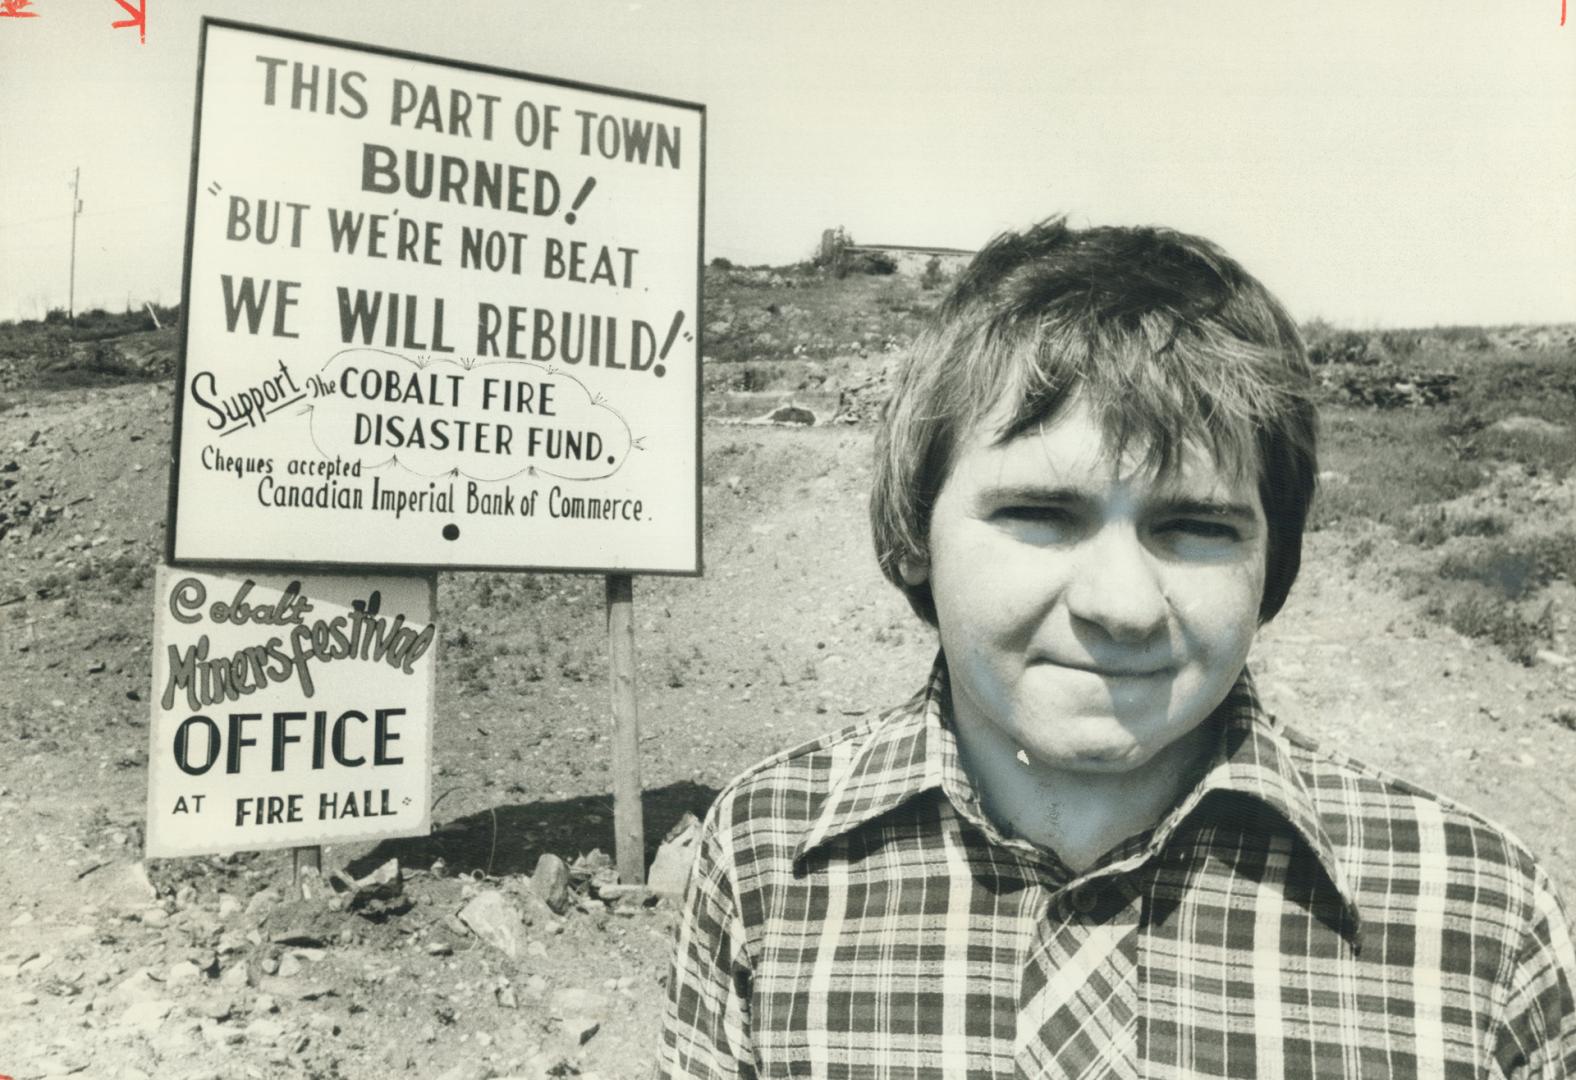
<point x="76" y="208"/>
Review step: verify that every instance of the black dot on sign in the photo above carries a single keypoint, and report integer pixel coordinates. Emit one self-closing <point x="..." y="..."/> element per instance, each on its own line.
<point x="569" y="218"/>
<point x="451" y="531"/>
<point x="610" y="459"/>
<point x="659" y="371"/>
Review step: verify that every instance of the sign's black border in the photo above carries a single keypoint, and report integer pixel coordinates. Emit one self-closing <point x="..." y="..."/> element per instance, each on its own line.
<point x="320" y="566"/>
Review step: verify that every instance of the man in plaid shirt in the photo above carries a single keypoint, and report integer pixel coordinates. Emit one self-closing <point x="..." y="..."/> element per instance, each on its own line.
<point x="1083" y="850"/>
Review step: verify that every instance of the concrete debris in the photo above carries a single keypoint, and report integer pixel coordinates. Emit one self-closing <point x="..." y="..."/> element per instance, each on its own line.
<point x="137" y="987"/>
<point x="466" y="1071"/>
<point x="581" y="1012"/>
<point x="146" y="1015"/>
<point x="263" y="1030"/>
<point x="670" y="870"/>
<point x="551" y="882"/>
<point x="262" y="901"/>
<point x="377" y="895"/>
<point x="128" y="888"/>
<point x="491" y="917"/>
<point x="182" y="971"/>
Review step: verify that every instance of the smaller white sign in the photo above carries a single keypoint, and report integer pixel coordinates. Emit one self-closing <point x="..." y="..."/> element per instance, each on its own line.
<point x="289" y="710"/>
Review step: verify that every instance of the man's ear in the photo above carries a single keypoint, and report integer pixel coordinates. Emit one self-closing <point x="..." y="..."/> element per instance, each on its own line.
<point x="914" y="571"/>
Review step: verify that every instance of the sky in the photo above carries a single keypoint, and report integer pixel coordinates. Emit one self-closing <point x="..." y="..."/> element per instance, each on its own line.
<point x="1392" y="164"/>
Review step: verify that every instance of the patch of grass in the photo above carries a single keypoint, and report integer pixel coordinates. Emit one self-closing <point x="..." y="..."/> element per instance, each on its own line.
<point x="1509" y="572"/>
<point x="1514" y="569"/>
<point x="100" y="364"/>
<point x="1391" y="463"/>
<point x="1432" y="526"/>
<point x="1489" y="618"/>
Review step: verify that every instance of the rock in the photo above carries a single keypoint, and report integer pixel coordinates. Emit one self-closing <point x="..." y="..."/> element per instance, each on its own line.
<point x="137" y="987"/>
<point x="145" y="1016"/>
<point x="495" y="920"/>
<point x="156" y="917"/>
<point x="466" y="1071"/>
<point x="179" y="1035"/>
<point x="590" y="864"/>
<point x="264" y="1031"/>
<point x="220" y="1035"/>
<point x="214" y="1006"/>
<point x="22" y="920"/>
<point x="229" y="906"/>
<point x="273" y="988"/>
<point x="581" y="1012"/>
<point x="439" y="948"/>
<point x="182" y="971"/>
<point x="61" y="1065"/>
<point x="289" y="964"/>
<point x="35" y="964"/>
<point x="301" y="924"/>
<point x="262" y="902"/>
<point x="551" y="882"/>
<point x="310" y="884"/>
<point x="670" y="870"/>
<point x="791" y="414"/>
<point x="234" y="977"/>
<point x="127" y="887"/>
<point x="385" y="874"/>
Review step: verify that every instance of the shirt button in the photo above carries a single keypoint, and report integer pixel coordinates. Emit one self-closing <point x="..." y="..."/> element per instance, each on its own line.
<point x="1083" y="900"/>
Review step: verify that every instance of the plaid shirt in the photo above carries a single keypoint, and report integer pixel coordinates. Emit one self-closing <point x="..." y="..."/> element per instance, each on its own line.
<point x="853" y="913"/>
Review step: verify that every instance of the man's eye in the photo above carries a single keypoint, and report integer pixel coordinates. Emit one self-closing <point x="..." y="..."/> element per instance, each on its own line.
<point x="1043" y="515"/>
<point x="1202" y="528"/>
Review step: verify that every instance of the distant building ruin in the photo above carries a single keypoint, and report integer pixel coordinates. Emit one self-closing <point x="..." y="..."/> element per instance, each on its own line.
<point x="908" y="260"/>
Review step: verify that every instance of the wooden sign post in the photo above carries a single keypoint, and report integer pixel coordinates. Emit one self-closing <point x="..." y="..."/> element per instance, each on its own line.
<point x="628" y="822"/>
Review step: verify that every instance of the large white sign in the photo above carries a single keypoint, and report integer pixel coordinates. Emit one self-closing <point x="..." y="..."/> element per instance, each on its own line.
<point x="289" y="711"/>
<point x="435" y="315"/>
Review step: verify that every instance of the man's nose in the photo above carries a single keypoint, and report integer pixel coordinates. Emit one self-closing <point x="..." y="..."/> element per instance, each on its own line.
<point x="1115" y="585"/>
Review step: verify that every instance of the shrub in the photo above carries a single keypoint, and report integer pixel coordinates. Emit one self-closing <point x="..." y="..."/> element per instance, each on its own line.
<point x="1515" y="569"/>
<point x="872" y="262"/>
<point x="1434" y="526"/>
<point x="1486" y="618"/>
<point x="932" y="277"/>
<point x="1512" y="574"/>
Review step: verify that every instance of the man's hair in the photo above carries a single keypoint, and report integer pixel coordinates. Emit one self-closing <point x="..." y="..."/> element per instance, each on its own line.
<point x="1164" y="336"/>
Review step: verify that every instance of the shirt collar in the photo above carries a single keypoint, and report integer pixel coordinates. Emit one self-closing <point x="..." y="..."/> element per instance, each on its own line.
<point x="913" y="750"/>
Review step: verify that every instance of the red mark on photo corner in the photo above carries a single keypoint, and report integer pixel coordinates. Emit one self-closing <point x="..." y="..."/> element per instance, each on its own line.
<point x="139" y="19"/>
<point x="14" y="9"/>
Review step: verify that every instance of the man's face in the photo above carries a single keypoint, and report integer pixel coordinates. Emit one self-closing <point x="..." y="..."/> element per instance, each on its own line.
<point x="1092" y="614"/>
